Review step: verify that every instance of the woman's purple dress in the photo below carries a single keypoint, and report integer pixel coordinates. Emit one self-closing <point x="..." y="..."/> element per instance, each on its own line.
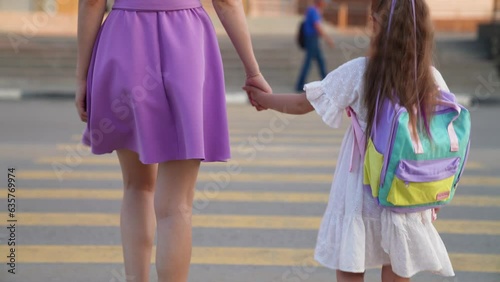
<point x="156" y="84"/>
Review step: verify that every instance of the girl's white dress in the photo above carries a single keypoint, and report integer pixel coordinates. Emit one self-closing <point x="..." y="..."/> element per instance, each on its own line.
<point x="356" y="233"/>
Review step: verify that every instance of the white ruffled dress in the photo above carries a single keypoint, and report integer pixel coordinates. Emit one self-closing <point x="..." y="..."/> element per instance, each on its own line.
<point x="356" y="233"/>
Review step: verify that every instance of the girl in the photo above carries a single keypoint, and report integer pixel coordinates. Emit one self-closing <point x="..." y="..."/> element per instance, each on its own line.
<point x="356" y="233"/>
<point x="151" y="88"/>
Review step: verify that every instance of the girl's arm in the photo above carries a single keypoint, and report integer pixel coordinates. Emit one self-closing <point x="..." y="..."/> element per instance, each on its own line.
<point x="90" y="15"/>
<point x="295" y="104"/>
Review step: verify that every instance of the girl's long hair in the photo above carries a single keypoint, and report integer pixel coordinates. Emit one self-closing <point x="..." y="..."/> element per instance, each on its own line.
<point x="391" y="66"/>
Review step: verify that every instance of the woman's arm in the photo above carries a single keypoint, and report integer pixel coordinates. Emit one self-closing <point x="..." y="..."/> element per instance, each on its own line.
<point x="232" y="17"/>
<point x="295" y="104"/>
<point x="90" y="15"/>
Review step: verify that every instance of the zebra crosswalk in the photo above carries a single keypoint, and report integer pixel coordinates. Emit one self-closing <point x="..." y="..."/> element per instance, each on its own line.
<point x="69" y="198"/>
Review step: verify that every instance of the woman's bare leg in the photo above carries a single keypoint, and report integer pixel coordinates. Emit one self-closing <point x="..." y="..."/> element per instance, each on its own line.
<point x="349" y="276"/>
<point x="137" y="218"/>
<point x="173" y="206"/>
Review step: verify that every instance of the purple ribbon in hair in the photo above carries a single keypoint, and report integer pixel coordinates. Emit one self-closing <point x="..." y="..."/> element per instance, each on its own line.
<point x="393" y="7"/>
<point x="419" y="105"/>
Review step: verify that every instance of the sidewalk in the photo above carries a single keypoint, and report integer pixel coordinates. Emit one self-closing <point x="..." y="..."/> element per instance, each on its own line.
<point x="44" y="63"/>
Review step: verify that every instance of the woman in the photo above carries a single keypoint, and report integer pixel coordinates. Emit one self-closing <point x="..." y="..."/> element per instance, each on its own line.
<point x="151" y="88"/>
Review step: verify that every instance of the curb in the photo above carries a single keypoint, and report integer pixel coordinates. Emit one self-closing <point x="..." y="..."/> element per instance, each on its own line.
<point x="233" y="98"/>
<point x="236" y="98"/>
<point x="10" y="94"/>
<point x="464" y="99"/>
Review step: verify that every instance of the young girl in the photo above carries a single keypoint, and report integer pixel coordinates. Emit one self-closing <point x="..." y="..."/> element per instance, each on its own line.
<point x="356" y="233"/>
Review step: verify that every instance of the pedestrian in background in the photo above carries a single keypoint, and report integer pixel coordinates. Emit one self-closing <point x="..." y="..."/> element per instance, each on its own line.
<point x="151" y="88"/>
<point x="313" y="30"/>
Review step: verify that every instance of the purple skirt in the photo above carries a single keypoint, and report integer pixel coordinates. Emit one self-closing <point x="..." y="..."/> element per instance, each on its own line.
<point x="156" y="84"/>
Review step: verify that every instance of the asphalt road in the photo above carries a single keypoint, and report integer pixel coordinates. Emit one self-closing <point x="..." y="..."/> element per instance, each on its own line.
<point x="254" y="221"/>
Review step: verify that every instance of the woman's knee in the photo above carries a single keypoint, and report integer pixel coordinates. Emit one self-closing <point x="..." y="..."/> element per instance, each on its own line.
<point x="143" y="181"/>
<point x="139" y="186"/>
<point x="174" y="210"/>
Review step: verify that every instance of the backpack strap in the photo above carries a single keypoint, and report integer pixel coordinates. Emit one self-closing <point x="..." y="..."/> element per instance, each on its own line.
<point x="454" y="147"/>
<point x="418" y="148"/>
<point x="359" y="144"/>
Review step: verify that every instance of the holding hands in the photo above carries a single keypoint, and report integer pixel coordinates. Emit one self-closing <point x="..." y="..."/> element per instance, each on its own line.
<point x="257" y="97"/>
<point x="296" y="104"/>
<point x="257" y="83"/>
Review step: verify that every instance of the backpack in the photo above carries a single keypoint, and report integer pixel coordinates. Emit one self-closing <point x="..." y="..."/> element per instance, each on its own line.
<point x="407" y="175"/>
<point x="301" y="36"/>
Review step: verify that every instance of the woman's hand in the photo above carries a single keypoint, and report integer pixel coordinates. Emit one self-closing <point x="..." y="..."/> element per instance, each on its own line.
<point x="256" y="96"/>
<point x="80" y="100"/>
<point x="90" y="16"/>
<point x="258" y="81"/>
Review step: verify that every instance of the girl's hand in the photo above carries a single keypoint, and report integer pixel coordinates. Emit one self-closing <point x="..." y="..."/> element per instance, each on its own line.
<point x="81" y="93"/>
<point x="258" y="81"/>
<point x="435" y="212"/>
<point x="256" y="95"/>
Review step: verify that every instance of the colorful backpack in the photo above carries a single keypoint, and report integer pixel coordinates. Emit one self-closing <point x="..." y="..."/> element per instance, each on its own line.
<point x="407" y="175"/>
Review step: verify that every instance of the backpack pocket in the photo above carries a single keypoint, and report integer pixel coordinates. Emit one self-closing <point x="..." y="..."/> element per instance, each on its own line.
<point x="423" y="182"/>
<point x="374" y="161"/>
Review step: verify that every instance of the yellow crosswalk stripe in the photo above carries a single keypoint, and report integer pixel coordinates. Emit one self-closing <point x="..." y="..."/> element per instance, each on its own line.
<point x="220" y="196"/>
<point x="270" y="139"/>
<point x="223" y="176"/>
<point x="240" y="132"/>
<point x="225" y="196"/>
<point x="113" y="161"/>
<point x="475" y="201"/>
<point x="271" y="147"/>
<point x="485" y="263"/>
<point x="476" y="262"/>
<point x="478" y="227"/>
<point x="305" y="131"/>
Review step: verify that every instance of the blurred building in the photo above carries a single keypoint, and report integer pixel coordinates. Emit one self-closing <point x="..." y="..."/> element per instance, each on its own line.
<point x="59" y="6"/>
<point x="447" y="15"/>
<point x="463" y="14"/>
<point x="456" y="15"/>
